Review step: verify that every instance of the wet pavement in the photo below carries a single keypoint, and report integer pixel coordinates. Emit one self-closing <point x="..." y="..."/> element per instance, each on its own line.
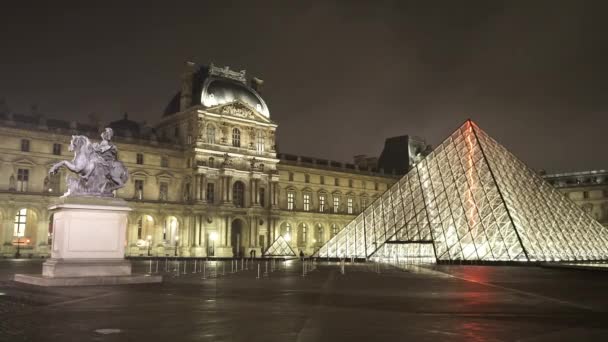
<point x="441" y="303"/>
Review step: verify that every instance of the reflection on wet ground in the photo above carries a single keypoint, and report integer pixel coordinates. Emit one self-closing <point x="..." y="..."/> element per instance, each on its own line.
<point x="362" y="303"/>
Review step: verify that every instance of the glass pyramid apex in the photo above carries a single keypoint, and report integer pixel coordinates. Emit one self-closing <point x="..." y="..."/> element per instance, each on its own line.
<point x="471" y="199"/>
<point x="279" y="247"/>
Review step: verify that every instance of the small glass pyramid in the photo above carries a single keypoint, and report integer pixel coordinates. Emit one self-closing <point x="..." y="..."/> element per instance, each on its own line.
<point x="471" y="199"/>
<point x="280" y="247"/>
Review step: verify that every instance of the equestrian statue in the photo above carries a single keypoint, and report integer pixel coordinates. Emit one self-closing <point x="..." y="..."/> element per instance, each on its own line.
<point x="98" y="173"/>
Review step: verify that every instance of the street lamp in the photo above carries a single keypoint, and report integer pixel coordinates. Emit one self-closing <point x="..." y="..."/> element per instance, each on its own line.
<point x="149" y="239"/>
<point x="176" y="242"/>
<point x="213" y="237"/>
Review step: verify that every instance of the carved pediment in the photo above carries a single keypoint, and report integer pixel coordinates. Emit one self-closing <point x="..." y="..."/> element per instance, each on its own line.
<point x="240" y="110"/>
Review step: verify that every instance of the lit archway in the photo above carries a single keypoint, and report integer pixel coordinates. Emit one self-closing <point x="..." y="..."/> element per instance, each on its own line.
<point x="238" y="237"/>
<point x="24" y="229"/>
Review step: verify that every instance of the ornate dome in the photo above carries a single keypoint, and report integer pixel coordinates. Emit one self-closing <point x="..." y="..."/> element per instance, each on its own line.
<point x="213" y="86"/>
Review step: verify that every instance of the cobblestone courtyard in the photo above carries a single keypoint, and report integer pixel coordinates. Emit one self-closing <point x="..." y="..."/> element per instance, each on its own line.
<point x="452" y="303"/>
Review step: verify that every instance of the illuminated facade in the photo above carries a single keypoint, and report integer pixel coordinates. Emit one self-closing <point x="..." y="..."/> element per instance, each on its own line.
<point x="471" y="199"/>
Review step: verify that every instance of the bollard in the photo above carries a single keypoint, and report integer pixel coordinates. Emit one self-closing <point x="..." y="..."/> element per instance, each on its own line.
<point x="194" y="266"/>
<point x="177" y="267"/>
<point x="204" y="270"/>
<point x="242" y="265"/>
<point x="223" y="268"/>
<point x="150" y="272"/>
<point x="266" y="271"/>
<point x="185" y="264"/>
<point x="303" y="269"/>
<point x="232" y="266"/>
<point x="156" y="271"/>
<point x="258" y="271"/>
<point x="246" y="264"/>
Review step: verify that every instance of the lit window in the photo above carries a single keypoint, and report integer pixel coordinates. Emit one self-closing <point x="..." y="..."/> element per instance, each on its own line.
<point x="290" y="201"/>
<point x="349" y="203"/>
<point x="321" y="203"/>
<point x="139" y="189"/>
<point x="260" y="143"/>
<point x="320" y="234"/>
<point x="306" y="202"/>
<point x="57" y="149"/>
<point x="163" y="193"/>
<point x="140" y="227"/>
<point x="25" y="145"/>
<point x="210" y="192"/>
<point x="363" y="202"/>
<point x="304" y="232"/>
<point x="236" y="137"/>
<point x="238" y="194"/>
<point x="23" y="176"/>
<point x="20" y="222"/>
<point x="334" y="230"/>
<point x="210" y="134"/>
<point x="164" y="162"/>
<point x="336" y="204"/>
<point x="140" y="158"/>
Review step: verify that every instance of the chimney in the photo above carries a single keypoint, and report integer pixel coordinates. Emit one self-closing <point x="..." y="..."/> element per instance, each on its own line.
<point x="185" y="99"/>
<point x="257" y="84"/>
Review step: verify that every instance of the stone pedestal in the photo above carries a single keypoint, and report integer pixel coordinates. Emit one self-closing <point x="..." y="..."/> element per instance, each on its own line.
<point x="89" y="238"/>
<point x="223" y="252"/>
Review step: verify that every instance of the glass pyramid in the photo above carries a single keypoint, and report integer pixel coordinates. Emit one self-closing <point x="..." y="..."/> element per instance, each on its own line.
<point x="279" y="247"/>
<point x="471" y="199"/>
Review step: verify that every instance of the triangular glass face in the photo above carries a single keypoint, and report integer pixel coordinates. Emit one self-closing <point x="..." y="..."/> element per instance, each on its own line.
<point x="473" y="200"/>
<point x="279" y="247"/>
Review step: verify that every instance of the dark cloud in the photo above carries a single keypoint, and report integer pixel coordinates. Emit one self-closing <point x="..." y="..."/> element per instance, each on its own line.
<point x="340" y="75"/>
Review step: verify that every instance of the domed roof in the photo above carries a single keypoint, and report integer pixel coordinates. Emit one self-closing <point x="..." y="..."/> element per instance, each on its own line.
<point x="213" y="86"/>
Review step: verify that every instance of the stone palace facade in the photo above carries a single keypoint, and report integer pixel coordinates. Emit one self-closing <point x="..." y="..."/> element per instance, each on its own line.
<point x="207" y="179"/>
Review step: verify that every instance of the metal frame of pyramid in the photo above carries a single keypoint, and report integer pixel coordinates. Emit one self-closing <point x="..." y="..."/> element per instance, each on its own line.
<point x="280" y="248"/>
<point x="471" y="199"/>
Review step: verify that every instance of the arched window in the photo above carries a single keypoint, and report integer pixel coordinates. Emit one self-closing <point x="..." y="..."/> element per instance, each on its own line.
<point x="236" y="137"/>
<point x="260" y="144"/>
<point x="334" y="230"/>
<point x="303" y="234"/>
<point x="286" y="231"/>
<point x="238" y="194"/>
<point x="320" y="234"/>
<point x="210" y="134"/>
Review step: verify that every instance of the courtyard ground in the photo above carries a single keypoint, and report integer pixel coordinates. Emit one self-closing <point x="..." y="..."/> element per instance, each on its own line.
<point x="440" y="303"/>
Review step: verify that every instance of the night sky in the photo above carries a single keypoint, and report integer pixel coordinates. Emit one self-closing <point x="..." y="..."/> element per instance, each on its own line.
<point x="339" y="76"/>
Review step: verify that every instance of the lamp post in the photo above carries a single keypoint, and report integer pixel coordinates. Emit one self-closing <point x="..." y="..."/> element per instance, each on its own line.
<point x="176" y="242"/>
<point x="149" y="239"/>
<point x="213" y="237"/>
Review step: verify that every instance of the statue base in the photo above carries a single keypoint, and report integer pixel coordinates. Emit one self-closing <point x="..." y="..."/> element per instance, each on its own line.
<point x="88" y="245"/>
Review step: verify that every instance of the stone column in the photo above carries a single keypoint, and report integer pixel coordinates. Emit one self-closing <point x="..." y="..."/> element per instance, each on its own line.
<point x="195" y="187"/>
<point x="197" y="230"/>
<point x="204" y="188"/>
<point x="229" y="189"/>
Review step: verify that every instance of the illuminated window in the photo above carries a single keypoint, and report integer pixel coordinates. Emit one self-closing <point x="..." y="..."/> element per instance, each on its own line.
<point x="260" y="142"/>
<point x="20" y="222"/>
<point x="163" y="192"/>
<point x="210" y="192"/>
<point x="25" y="145"/>
<point x="363" y="203"/>
<point x="320" y="234"/>
<point x="321" y="203"/>
<point x="290" y="201"/>
<point x="334" y="230"/>
<point x="139" y="189"/>
<point x="140" y="227"/>
<point x="238" y="194"/>
<point x="57" y="149"/>
<point x="236" y="137"/>
<point x="306" y="202"/>
<point x="349" y="203"/>
<point x="336" y="204"/>
<point x="303" y="234"/>
<point x="210" y="134"/>
<point x="23" y="177"/>
<point x="140" y="158"/>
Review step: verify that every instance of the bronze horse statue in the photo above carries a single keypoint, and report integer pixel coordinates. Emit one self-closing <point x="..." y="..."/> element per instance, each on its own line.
<point x="95" y="165"/>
